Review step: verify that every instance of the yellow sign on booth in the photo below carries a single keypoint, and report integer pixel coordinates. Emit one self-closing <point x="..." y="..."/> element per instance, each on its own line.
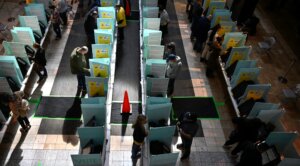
<point x="106" y="15"/>
<point x="236" y="56"/>
<point x="100" y="70"/>
<point x="104" y="25"/>
<point x="96" y="90"/>
<point x="103" y="39"/>
<point x="255" y="94"/>
<point x="232" y="43"/>
<point x="102" y="53"/>
<point x="245" y="77"/>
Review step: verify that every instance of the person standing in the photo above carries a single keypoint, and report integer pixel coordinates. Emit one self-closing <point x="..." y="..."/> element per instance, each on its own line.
<point x="90" y="25"/>
<point x="164" y="21"/>
<point x="55" y="19"/>
<point x="121" y="19"/>
<point x="213" y="58"/>
<point x="187" y="128"/>
<point x="139" y="134"/>
<point x="40" y="62"/>
<point x="170" y="49"/>
<point x="19" y="107"/>
<point x="200" y="29"/>
<point x="173" y="68"/>
<point x="62" y="7"/>
<point x="78" y="66"/>
<point x="212" y="34"/>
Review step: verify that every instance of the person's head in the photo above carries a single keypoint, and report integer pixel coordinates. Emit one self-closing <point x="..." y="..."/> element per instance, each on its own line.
<point x="36" y="45"/>
<point x="209" y="17"/>
<point x="190" y="116"/>
<point x="118" y="6"/>
<point x="172" y="58"/>
<point x="140" y="120"/>
<point x="171" y="47"/>
<point x="94" y="14"/>
<point x="83" y="50"/>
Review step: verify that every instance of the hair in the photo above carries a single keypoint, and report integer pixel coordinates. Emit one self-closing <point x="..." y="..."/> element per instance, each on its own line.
<point x="83" y="48"/>
<point x="214" y="31"/>
<point x="139" y="120"/>
<point x="171" y="46"/>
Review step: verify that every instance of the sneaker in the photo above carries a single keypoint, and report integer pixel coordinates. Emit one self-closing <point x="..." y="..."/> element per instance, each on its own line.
<point x="184" y="158"/>
<point x="23" y="130"/>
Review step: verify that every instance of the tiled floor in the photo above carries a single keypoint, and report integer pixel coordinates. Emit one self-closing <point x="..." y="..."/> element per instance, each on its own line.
<point x="36" y="149"/>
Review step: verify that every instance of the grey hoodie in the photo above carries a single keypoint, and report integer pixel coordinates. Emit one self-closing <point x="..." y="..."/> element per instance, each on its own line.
<point x="173" y="68"/>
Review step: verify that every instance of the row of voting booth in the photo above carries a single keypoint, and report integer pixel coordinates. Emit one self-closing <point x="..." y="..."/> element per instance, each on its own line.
<point x="248" y="96"/>
<point x="157" y="106"/>
<point x="93" y="134"/>
<point x="15" y="63"/>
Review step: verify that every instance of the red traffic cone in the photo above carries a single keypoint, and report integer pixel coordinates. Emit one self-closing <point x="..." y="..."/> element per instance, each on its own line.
<point x="126" y="104"/>
<point x="127" y="8"/>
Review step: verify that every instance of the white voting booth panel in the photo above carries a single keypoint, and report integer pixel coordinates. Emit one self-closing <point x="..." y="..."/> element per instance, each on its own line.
<point x="94" y="110"/>
<point x="270" y="115"/>
<point x="23" y="35"/>
<point x="157" y="86"/>
<point x="94" y="100"/>
<point x="16" y="49"/>
<point x="31" y="22"/>
<point x="156" y="112"/>
<point x="238" y="53"/>
<point x="156" y="68"/>
<point x="150" y="12"/>
<point x="158" y="100"/>
<point x="151" y="23"/>
<point x="234" y="39"/>
<point x="154" y="51"/>
<point x="164" y="135"/>
<point x="152" y="37"/>
<point x="149" y="3"/>
<point x="257" y="91"/>
<point x="37" y="9"/>
<point x="102" y="50"/>
<point x="100" y="67"/>
<point x="85" y="135"/>
<point x="289" y="162"/>
<point x="262" y="106"/>
<point x="245" y="74"/>
<point x="244" y="64"/>
<point x="96" y="86"/>
<point x="281" y="140"/>
<point x="10" y="68"/>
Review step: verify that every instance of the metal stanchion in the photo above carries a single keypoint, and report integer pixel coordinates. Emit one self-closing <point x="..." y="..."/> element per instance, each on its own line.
<point x="283" y="78"/>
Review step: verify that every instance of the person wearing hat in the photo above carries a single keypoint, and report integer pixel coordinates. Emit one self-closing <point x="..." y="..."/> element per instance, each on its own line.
<point x="90" y="25"/>
<point x="173" y="68"/>
<point x="187" y="128"/>
<point x="121" y="19"/>
<point x="78" y="66"/>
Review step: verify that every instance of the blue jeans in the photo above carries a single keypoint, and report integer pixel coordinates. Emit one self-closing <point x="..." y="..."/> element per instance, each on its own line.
<point x="135" y="150"/>
<point x="81" y="81"/>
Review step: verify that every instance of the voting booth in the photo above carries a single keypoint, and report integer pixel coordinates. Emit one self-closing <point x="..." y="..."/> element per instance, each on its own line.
<point x="94" y="111"/>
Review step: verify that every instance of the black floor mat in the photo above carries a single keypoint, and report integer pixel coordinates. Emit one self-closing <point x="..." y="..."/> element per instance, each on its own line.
<point x="204" y="107"/>
<point x="59" y="107"/>
<point x="63" y="127"/>
<point x="116" y="117"/>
